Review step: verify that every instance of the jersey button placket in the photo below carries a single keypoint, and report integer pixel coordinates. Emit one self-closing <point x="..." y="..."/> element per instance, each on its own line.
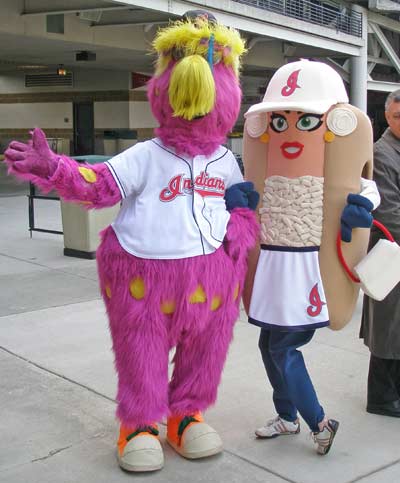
<point x="197" y="204"/>
<point x="198" y="161"/>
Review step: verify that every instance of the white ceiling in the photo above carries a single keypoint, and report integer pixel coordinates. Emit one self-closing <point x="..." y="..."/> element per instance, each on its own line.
<point x="28" y="50"/>
<point x="17" y="50"/>
<point x="20" y="50"/>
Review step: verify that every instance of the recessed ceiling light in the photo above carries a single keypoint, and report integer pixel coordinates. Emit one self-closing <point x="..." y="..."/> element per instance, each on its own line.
<point x="31" y="67"/>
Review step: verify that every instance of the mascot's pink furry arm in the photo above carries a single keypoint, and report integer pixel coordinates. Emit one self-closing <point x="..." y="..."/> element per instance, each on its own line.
<point x="172" y="265"/>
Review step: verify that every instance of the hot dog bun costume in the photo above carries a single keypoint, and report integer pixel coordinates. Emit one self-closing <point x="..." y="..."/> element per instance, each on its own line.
<point x="306" y="149"/>
<point x="173" y="263"/>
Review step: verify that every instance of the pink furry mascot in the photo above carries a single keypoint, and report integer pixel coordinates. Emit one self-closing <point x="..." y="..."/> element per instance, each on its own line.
<point x="173" y="263"/>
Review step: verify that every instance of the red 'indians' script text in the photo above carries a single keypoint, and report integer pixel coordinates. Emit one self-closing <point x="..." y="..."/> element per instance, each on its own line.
<point x="204" y="185"/>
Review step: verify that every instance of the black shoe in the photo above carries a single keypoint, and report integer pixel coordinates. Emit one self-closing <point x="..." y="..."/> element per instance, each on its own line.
<point x="385" y="409"/>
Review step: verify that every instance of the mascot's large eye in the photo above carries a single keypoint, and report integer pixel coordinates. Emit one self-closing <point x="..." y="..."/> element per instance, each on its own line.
<point x="278" y="123"/>
<point x="309" y="122"/>
<point x="177" y="53"/>
<point x="217" y="56"/>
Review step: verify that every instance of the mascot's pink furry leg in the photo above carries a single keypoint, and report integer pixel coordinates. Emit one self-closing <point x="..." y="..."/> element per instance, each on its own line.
<point x="199" y="360"/>
<point x="153" y="305"/>
<point x="139" y="334"/>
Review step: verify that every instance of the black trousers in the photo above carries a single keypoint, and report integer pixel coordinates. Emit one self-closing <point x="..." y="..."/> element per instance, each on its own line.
<point x="383" y="380"/>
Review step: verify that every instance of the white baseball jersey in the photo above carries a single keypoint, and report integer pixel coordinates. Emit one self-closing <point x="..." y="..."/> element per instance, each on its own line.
<point x="173" y="206"/>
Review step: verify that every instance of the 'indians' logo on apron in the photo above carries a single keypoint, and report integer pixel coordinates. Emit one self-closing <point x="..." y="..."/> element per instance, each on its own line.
<point x="316" y="303"/>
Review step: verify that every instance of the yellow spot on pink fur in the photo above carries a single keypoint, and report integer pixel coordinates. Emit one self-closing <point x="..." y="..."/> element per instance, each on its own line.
<point x="236" y="292"/>
<point x="264" y="138"/>
<point x="329" y="136"/>
<point x="137" y="288"/>
<point x="198" y="296"/>
<point x="108" y="291"/>
<point x="168" y="307"/>
<point x="88" y="174"/>
<point x="216" y="302"/>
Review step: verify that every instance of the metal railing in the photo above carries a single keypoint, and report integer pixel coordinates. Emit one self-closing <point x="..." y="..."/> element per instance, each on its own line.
<point x="332" y="15"/>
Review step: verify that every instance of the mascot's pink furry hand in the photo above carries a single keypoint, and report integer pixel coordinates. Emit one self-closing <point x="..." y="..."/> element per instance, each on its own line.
<point x="35" y="157"/>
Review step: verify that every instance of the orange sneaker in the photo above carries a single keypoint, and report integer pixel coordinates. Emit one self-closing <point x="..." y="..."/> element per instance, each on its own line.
<point x="191" y="437"/>
<point x="140" y="449"/>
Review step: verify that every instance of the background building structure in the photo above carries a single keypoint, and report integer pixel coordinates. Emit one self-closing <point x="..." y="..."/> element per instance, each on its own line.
<point x="77" y="68"/>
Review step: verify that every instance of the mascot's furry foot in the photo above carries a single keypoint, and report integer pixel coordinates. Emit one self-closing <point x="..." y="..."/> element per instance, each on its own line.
<point x="139" y="449"/>
<point x="192" y="438"/>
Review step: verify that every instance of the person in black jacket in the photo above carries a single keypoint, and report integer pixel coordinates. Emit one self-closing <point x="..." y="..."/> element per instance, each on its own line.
<point x="380" y="325"/>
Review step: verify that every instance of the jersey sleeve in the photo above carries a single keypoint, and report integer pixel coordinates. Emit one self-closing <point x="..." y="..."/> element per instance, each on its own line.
<point x="235" y="175"/>
<point x="369" y="190"/>
<point x="128" y="168"/>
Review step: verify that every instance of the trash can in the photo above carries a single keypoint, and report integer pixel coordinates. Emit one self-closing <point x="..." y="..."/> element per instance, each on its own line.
<point x="125" y="139"/>
<point x="110" y="146"/>
<point x="81" y="227"/>
<point x="110" y="143"/>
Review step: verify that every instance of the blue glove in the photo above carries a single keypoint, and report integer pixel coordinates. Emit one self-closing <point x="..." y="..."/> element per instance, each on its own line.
<point x="241" y="195"/>
<point x="356" y="214"/>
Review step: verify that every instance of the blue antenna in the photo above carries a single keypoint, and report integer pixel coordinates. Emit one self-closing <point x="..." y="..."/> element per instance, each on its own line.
<point x="210" y="53"/>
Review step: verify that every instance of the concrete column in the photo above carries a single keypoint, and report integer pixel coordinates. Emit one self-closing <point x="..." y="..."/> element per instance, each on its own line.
<point x="359" y="66"/>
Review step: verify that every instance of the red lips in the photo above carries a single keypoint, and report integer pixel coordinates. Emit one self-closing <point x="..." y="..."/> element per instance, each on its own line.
<point x="292" y="150"/>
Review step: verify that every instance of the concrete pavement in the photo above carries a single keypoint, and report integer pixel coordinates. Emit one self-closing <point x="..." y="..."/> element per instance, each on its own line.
<point x="57" y="420"/>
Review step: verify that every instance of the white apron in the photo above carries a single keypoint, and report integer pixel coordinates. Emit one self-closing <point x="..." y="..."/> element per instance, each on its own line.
<point x="288" y="293"/>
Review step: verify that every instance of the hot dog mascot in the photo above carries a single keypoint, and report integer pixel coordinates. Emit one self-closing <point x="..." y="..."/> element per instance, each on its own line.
<point x="173" y="263"/>
<point x="310" y="155"/>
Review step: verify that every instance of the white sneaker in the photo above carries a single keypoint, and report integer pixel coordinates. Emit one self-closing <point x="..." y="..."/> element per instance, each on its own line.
<point x="278" y="427"/>
<point x="324" y="438"/>
<point x="140" y="450"/>
<point x="191" y="437"/>
<point x="198" y="441"/>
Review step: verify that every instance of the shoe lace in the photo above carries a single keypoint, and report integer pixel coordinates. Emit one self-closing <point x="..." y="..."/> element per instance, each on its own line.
<point x="183" y="425"/>
<point x="143" y="429"/>
<point x="272" y="422"/>
<point x="278" y="423"/>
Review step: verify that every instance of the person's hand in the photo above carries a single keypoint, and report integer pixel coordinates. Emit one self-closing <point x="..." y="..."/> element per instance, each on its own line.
<point x="35" y="157"/>
<point x="241" y="195"/>
<point x="356" y="214"/>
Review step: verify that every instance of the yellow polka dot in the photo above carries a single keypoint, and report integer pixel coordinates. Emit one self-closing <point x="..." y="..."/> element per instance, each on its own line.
<point x="198" y="296"/>
<point x="329" y="136"/>
<point x="137" y="288"/>
<point x="108" y="291"/>
<point x="216" y="302"/>
<point x="88" y="174"/>
<point x="264" y="138"/>
<point x="168" y="307"/>
<point x="236" y="292"/>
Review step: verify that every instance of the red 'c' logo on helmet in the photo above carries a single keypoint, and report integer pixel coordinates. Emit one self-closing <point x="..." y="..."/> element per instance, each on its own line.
<point x="291" y="84"/>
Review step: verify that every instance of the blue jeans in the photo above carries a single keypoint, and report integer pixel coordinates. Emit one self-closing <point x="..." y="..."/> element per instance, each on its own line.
<point x="287" y="373"/>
